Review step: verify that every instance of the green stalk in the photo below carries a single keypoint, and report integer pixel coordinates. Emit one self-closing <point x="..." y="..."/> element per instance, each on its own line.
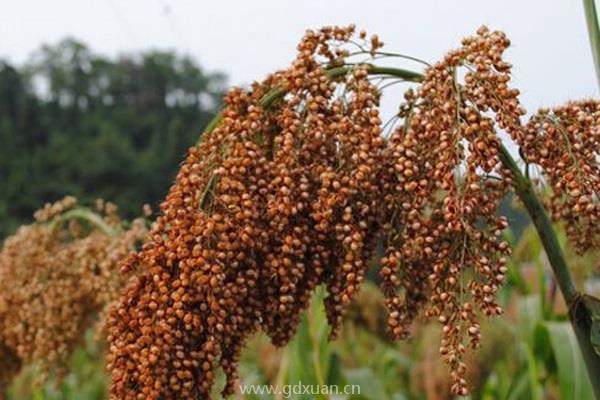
<point x="579" y="311"/>
<point x="276" y="94"/>
<point x="591" y="19"/>
<point x="89" y="216"/>
<point x="539" y="217"/>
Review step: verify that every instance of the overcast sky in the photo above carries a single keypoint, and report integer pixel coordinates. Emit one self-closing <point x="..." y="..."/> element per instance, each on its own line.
<point x="247" y="39"/>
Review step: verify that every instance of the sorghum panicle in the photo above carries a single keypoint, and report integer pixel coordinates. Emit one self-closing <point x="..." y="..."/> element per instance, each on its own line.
<point x="278" y="200"/>
<point x="271" y="204"/>
<point x="443" y="184"/>
<point x="565" y="143"/>
<point x="57" y="277"/>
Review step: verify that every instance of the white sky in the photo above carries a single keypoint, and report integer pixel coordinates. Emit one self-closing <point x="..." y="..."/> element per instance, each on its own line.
<point x="247" y="39"/>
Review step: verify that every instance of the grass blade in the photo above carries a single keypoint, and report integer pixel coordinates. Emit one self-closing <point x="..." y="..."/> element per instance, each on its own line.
<point x="591" y="19"/>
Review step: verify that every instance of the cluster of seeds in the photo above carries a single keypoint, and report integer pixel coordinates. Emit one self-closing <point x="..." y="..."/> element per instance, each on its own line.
<point x="57" y="276"/>
<point x="443" y="183"/>
<point x="295" y="187"/>
<point x="271" y="203"/>
<point x="565" y="143"/>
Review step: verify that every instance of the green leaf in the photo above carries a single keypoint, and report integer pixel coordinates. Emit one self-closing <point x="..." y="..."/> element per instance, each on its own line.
<point x="591" y="18"/>
<point x="593" y="304"/>
<point x="533" y="374"/>
<point x="595" y="336"/>
<point x="519" y="390"/>
<point x="370" y="385"/>
<point x="573" y="378"/>
<point x="530" y="313"/>
<point x="334" y="374"/>
<point x="309" y="352"/>
<point x="542" y="347"/>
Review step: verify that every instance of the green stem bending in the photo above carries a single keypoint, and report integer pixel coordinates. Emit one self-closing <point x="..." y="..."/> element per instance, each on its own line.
<point x="579" y="312"/>
<point x="335" y="72"/>
<point x="89" y="216"/>
<point x="591" y="19"/>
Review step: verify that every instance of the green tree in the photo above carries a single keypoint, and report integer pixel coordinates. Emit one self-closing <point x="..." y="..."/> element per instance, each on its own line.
<point x="74" y="122"/>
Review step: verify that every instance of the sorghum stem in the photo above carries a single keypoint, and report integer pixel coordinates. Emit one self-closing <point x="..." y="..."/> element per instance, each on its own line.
<point x="579" y="313"/>
<point x="88" y="215"/>
<point x="539" y="217"/>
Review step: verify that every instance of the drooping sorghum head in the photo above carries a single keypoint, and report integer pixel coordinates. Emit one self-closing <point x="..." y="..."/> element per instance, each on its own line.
<point x="565" y="143"/>
<point x="293" y="189"/>
<point x="269" y="205"/>
<point x="443" y="182"/>
<point x="57" y="278"/>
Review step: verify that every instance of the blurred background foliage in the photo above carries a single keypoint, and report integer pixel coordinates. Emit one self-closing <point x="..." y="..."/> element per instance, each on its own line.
<point x="74" y="122"/>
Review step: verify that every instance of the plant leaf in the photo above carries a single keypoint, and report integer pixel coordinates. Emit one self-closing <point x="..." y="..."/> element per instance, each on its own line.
<point x="573" y="378"/>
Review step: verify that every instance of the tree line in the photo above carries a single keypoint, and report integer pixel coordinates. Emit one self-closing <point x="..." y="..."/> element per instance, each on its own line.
<point x="75" y="122"/>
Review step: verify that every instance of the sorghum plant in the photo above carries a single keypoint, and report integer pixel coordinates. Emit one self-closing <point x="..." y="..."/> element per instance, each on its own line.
<point x="295" y="184"/>
<point x="565" y="143"/>
<point x="57" y="278"/>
